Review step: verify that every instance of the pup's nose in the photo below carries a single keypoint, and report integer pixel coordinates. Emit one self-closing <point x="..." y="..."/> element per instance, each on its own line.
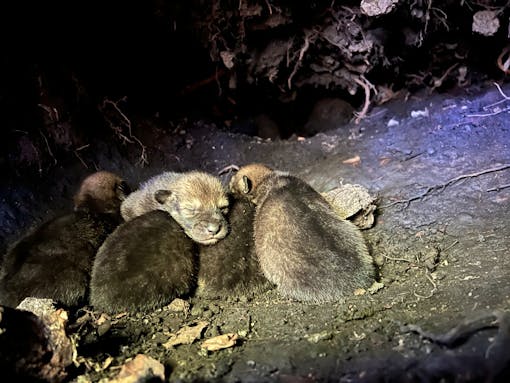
<point x="213" y="228"/>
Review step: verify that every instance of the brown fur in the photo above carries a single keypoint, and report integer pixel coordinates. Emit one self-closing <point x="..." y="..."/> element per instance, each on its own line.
<point x="196" y="200"/>
<point x="245" y="182"/>
<point x="302" y="245"/>
<point x="101" y="192"/>
<point x="143" y="265"/>
<point x="54" y="261"/>
<point x="230" y="267"/>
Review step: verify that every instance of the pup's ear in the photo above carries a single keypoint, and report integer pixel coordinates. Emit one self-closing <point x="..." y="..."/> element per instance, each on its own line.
<point x="122" y="190"/>
<point x="162" y="196"/>
<point x="246" y="185"/>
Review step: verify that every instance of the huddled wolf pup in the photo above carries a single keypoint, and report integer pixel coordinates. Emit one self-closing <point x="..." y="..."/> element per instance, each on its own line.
<point x="54" y="260"/>
<point x="230" y="267"/>
<point x="302" y="245"/>
<point x="196" y="200"/>
<point x="244" y="183"/>
<point x="144" y="264"/>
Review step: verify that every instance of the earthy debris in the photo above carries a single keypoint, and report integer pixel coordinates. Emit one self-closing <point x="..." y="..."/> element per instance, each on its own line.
<point x="377" y="7"/>
<point x="376" y="286"/>
<point x="354" y="161"/>
<point x="34" y="345"/>
<point x="486" y="22"/>
<point x="140" y="369"/>
<point x="178" y="305"/>
<point x="317" y="337"/>
<point x="353" y="202"/>
<point x="186" y="335"/>
<point x="220" y="342"/>
<point x="420" y="113"/>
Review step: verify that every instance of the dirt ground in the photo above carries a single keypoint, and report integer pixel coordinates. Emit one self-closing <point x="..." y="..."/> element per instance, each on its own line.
<point x="440" y="166"/>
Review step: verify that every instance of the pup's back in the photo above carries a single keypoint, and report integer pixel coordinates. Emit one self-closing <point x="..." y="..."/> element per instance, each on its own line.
<point x="144" y="264"/>
<point x="230" y="268"/>
<point x="302" y="245"/>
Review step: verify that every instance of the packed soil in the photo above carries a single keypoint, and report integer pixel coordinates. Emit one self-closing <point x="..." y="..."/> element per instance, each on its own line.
<point x="440" y="167"/>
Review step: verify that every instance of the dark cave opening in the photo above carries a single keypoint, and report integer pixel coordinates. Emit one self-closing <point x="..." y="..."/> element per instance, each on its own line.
<point x="164" y="61"/>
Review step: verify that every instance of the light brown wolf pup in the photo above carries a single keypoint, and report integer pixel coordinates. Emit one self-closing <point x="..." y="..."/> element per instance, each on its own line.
<point x="302" y="245"/>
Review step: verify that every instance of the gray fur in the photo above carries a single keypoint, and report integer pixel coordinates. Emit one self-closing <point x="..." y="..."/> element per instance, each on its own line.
<point x="144" y="199"/>
<point x="196" y="200"/>
<point x="143" y="265"/>
<point x="303" y="246"/>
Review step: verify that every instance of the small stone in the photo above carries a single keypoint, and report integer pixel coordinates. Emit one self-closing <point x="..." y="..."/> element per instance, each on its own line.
<point x="317" y="337"/>
<point x="376" y="286"/>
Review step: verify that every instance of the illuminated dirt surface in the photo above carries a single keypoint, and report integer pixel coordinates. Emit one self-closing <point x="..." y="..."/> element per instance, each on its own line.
<point x="441" y="170"/>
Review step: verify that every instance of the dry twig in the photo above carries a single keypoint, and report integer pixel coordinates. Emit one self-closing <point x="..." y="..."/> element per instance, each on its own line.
<point x="48" y="147"/>
<point x="118" y="128"/>
<point x="505" y="98"/>
<point x="78" y="155"/>
<point x="397" y="259"/>
<point x="449" y="247"/>
<point x="497" y="111"/>
<point x="498" y="188"/>
<point x="460" y="332"/>
<point x="439" y="81"/>
<point x="434" y="288"/>
<point x="309" y="36"/>
<point x="442" y="186"/>
<point x="504" y="65"/>
<point x="366" y="85"/>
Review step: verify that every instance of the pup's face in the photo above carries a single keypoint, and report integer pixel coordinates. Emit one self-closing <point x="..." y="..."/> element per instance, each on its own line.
<point x="101" y="192"/>
<point x="198" y="204"/>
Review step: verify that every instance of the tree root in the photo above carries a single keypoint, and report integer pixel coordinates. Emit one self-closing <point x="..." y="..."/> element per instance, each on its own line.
<point x="465" y="329"/>
<point x="443" y="186"/>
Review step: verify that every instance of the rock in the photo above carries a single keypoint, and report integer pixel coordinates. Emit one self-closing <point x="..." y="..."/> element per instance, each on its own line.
<point x="485" y="22"/>
<point x="377" y="7"/>
<point x="34" y="347"/>
<point x="353" y="202"/>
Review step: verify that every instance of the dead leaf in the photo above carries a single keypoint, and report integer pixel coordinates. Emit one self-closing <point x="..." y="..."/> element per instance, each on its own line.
<point x="384" y="161"/>
<point x="141" y="368"/>
<point x="102" y="319"/>
<point x="108" y="361"/>
<point x="186" y="335"/>
<point x="360" y="291"/>
<point x="354" y="161"/>
<point x="219" y="342"/>
<point x="228" y="59"/>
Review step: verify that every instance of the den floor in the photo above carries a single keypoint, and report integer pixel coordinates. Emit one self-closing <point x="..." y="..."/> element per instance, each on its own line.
<point x="440" y="167"/>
